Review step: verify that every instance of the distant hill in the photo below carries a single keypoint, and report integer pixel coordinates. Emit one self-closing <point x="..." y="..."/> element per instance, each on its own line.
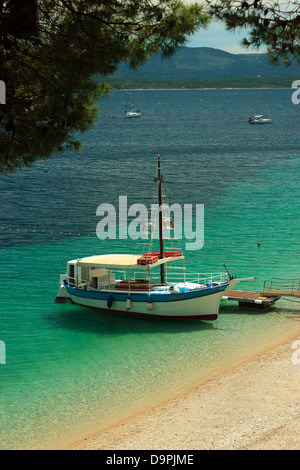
<point x="206" y="62"/>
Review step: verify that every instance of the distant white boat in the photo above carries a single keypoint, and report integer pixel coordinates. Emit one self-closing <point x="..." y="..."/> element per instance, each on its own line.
<point x="130" y="112"/>
<point x="259" y="119"/>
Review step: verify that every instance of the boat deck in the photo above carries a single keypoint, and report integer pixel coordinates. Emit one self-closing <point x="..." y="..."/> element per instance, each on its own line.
<point x="252" y="300"/>
<point x="136" y="285"/>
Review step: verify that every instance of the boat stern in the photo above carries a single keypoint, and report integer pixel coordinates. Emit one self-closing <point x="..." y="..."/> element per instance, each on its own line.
<point x="61" y="294"/>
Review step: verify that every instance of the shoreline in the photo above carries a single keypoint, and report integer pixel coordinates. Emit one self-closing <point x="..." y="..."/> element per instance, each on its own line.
<point x="252" y="404"/>
<point x="199" y="89"/>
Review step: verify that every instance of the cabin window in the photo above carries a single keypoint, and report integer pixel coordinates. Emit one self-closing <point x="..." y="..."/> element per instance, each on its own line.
<point x="84" y="274"/>
<point x="71" y="273"/>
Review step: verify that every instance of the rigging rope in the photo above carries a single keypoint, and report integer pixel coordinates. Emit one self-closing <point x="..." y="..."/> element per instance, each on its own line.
<point x="293" y="316"/>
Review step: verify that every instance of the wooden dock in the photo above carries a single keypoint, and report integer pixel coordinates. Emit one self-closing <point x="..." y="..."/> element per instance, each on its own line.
<point x="272" y="291"/>
<point x="282" y="287"/>
<point x="282" y="292"/>
<point x="252" y="300"/>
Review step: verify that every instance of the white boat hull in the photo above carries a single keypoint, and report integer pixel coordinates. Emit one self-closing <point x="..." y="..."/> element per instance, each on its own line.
<point x="203" y="307"/>
<point x="132" y="114"/>
<point x="261" y="121"/>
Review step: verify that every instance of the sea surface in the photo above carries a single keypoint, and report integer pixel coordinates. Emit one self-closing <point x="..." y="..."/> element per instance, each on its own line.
<point x="69" y="370"/>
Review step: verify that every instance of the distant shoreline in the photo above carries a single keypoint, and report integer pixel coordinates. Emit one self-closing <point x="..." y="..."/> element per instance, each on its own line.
<point x="202" y="84"/>
<point x="195" y="89"/>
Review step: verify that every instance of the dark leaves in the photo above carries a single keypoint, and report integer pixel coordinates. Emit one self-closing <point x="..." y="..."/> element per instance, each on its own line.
<point x="20" y="19"/>
<point x="272" y="24"/>
<point x="50" y="53"/>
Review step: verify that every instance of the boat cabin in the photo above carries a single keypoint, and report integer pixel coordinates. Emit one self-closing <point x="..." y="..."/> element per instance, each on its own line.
<point x="122" y="272"/>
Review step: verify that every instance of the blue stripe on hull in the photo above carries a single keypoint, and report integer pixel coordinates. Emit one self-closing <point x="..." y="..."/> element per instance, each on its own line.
<point x="143" y="297"/>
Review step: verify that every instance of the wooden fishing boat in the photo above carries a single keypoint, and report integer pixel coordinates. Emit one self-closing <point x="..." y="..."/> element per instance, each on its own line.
<point x="144" y="284"/>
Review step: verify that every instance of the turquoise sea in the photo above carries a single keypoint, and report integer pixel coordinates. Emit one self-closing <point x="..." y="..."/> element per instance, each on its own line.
<point x="70" y="371"/>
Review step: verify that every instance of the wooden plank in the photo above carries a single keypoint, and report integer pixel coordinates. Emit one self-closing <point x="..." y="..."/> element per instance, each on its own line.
<point x="282" y="292"/>
<point x="245" y="295"/>
<point x="251" y="300"/>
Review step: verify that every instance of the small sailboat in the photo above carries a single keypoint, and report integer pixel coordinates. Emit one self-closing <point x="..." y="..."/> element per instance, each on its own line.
<point x="145" y="284"/>
<point x="130" y="112"/>
<point x="259" y="119"/>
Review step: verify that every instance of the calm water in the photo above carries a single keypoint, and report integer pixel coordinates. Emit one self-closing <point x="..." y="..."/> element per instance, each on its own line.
<point x="71" y="370"/>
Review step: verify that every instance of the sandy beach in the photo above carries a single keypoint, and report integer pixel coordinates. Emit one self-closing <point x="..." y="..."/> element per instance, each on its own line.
<point x="252" y="405"/>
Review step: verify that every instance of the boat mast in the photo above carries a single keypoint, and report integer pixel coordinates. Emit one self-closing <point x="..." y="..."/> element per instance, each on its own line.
<point x="159" y="180"/>
<point x="127" y="102"/>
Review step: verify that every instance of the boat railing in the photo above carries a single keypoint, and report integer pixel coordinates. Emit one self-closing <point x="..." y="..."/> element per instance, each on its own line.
<point x="199" y="278"/>
<point x="70" y="280"/>
<point x="170" y="278"/>
<point x="279" y="284"/>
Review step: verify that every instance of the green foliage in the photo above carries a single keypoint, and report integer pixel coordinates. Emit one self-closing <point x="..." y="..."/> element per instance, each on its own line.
<point x="50" y="53"/>
<point x="146" y="84"/>
<point x="274" y="24"/>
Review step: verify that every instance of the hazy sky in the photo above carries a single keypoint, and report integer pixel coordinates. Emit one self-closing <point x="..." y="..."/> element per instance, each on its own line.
<point x="216" y="36"/>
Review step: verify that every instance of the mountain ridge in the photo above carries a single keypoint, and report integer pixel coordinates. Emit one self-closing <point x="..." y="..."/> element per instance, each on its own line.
<point x="207" y="62"/>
